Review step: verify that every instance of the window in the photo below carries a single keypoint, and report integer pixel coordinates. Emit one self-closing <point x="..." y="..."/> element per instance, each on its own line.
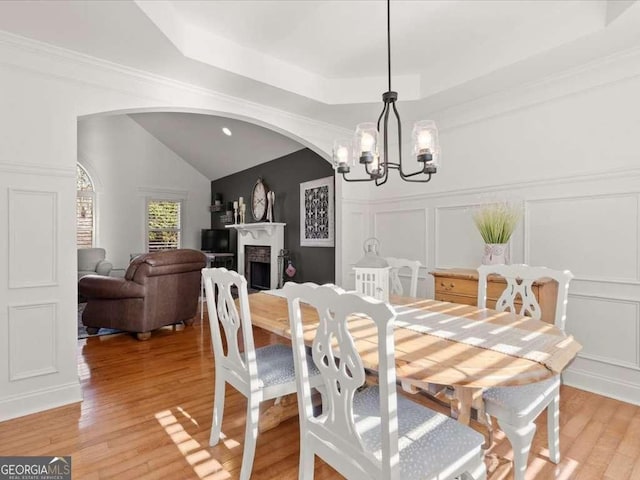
<point x="85" y="211"/>
<point x="164" y="224"/>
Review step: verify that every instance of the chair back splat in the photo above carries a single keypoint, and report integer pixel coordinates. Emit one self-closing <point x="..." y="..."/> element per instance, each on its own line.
<point x="229" y="326"/>
<point x="396" y="265"/>
<point x="520" y="279"/>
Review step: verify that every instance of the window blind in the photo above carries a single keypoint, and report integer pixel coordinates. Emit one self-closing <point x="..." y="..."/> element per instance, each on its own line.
<point x="164" y="225"/>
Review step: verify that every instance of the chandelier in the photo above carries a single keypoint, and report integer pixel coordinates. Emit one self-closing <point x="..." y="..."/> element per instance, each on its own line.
<point x="364" y="145"/>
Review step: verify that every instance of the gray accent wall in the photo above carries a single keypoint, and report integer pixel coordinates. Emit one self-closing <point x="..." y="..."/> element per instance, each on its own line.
<point x="283" y="176"/>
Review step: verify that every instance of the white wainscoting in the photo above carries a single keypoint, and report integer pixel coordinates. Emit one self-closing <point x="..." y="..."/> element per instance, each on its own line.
<point x="355" y="230"/>
<point x="604" y="226"/>
<point x="412" y="224"/>
<point x="607" y="328"/>
<point x="33" y="215"/>
<point x="32" y="325"/>
<point x="454" y="222"/>
<point x="588" y="224"/>
<point x="38" y="316"/>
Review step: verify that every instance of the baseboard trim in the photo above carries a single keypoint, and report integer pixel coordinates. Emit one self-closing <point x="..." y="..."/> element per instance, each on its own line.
<point x="605" y="386"/>
<point x="39" y="400"/>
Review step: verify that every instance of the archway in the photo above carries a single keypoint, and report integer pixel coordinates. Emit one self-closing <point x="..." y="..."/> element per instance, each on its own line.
<point x="134" y="232"/>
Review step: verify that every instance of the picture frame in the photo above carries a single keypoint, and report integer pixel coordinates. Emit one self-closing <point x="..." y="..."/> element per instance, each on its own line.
<point x="317" y="218"/>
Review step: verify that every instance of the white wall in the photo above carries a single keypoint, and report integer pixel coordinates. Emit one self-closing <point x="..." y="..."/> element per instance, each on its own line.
<point x="568" y="149"/>
<point x="45" y="91"/>
<point x="128" y="164"/>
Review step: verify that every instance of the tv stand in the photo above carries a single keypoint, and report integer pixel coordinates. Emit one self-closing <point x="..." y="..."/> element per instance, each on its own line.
<point x="220" y="259"/>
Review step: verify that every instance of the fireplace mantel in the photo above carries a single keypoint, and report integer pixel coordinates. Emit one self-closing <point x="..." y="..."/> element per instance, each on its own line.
<point x="261" y="233"/>
<point x="257" y="229"/>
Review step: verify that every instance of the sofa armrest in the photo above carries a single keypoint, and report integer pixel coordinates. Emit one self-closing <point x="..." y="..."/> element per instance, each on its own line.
<point x="104" y="267"/>
<point x="97" y="286"/>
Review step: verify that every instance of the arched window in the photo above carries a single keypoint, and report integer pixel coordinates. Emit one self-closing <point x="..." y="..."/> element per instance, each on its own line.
<point x="85" y="211"/>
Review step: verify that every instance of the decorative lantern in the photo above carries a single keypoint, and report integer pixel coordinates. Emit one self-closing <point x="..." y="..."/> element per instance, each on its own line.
<point x="372" y="272"/>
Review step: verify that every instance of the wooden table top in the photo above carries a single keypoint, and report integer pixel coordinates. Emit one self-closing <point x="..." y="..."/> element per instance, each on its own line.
<point x="422" y="358"/>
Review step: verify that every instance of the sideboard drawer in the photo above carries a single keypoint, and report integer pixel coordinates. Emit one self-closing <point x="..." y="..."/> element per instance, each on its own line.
<point x="461" y="286"/>
<point x="458" y="286"/>
<point x="468" y="288"/>
<point x="450" y="297"/>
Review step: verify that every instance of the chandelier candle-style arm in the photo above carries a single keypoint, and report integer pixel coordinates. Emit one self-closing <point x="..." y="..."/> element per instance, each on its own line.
<point x="364" y="146"/>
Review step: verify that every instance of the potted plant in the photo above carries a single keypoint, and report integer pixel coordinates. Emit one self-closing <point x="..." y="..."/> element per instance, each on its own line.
<point x="496" y="222"/>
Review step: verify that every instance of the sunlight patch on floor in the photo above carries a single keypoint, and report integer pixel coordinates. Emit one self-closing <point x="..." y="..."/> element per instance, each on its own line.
<point x="230" y="443"/>
<point x="196" y="455"/>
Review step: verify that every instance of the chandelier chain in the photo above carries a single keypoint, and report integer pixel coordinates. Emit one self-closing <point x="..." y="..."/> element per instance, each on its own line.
<point x="389" y="42"/>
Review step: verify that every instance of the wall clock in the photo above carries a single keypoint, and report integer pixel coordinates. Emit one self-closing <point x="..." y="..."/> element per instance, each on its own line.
<point x="259" y="201"/>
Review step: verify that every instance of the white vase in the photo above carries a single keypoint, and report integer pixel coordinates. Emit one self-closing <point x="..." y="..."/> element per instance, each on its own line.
<point x="495" y="253"/>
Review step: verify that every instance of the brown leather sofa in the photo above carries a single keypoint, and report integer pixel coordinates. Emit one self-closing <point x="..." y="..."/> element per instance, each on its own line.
<point x="158" y="289"/>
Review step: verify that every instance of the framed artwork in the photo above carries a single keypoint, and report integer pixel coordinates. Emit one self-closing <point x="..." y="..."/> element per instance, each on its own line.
<point x="317" y="225"/>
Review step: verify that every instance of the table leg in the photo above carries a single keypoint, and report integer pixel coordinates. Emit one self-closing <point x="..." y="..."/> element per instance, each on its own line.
<point x="284" y="408"/>
<point x="466" y="398"/>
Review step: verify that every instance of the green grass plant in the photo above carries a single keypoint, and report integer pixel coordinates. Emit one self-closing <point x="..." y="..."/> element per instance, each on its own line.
<point x="497" y="221"/>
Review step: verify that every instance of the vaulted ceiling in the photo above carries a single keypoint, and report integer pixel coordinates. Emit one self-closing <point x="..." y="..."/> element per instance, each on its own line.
<point x="327" y="59"/>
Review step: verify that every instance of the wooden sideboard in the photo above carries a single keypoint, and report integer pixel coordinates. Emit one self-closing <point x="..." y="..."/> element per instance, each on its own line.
<point x="460" y="285"/>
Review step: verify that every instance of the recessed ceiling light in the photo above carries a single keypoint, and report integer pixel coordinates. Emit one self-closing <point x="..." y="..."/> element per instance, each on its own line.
<point x="226" y="131"/>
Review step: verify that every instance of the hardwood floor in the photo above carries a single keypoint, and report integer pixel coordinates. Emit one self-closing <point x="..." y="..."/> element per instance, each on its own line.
<point x="147" y="408"/>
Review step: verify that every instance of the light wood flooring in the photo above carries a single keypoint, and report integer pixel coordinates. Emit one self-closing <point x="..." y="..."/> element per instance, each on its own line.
<point x="147" y="407"/>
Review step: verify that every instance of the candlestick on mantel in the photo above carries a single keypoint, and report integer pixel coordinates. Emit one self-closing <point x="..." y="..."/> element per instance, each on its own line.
<point x="241" y="201"/>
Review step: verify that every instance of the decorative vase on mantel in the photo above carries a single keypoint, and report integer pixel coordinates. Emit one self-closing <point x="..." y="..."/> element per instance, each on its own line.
<point x="495" y="254"/>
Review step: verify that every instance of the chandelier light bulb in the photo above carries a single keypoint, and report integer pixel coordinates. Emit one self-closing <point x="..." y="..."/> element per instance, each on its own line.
<point x="425" y="144"/>
<point x="342" y="158"/>
<point x="343" y="155"/>
<point x="377" y="166"/>
<point x="366" y="143"/>
<point x="424" y="141"/>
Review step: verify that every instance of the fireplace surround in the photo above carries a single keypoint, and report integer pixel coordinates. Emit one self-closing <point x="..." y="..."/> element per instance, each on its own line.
<point x="258" y="246"/>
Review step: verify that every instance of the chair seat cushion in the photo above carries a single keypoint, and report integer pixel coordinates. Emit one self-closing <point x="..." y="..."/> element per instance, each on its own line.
<point x="275" y="365"/>
<point x="520" y="404"/>
<point x="429" y="442"/>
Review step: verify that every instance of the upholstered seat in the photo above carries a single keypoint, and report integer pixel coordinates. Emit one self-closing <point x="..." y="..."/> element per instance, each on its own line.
<point x="158" y="289"/>
<point x="275" y="365"/>
<point x="91" y="261"/>
<point x="518" y="404"/>
<point x="427" y="439"/>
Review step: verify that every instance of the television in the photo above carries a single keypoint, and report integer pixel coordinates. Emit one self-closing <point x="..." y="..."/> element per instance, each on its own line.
<point x="214" y="240"/>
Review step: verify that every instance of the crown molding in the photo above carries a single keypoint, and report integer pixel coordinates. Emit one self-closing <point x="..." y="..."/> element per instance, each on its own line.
<point x="52" y="52"/>
<point x="39" y="169"/>
<point x="617" y="67"/>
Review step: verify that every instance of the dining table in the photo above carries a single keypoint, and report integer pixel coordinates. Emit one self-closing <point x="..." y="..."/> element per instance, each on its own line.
<point x="463" y="347"/>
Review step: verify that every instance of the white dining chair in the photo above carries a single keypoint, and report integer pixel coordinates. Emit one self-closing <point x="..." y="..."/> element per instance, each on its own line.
<point x="396" y="265"/>
<point x="517" y="407"/>
<point x="258" y="373"/>
<point x="368" y="432"/>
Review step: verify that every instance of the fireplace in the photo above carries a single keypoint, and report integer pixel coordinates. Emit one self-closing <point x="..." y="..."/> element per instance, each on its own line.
<point x="257" y="267"/>
<point x="258" y="247"/>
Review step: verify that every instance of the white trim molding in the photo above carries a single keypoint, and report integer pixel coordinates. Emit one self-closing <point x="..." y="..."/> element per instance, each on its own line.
<point x="17" y="267"/>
